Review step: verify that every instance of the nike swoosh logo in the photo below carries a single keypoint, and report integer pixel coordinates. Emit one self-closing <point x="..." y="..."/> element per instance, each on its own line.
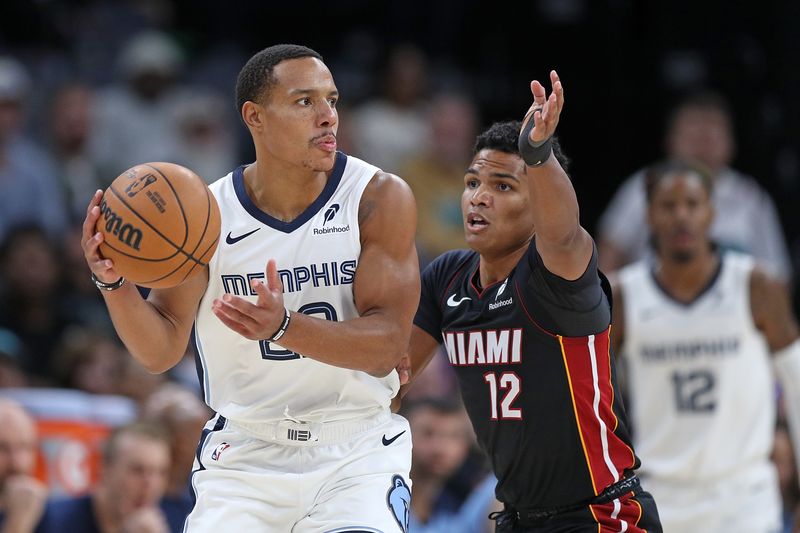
<point x="387" y="442"/>
<point x="452" y="302"/>
<point x="233" y="240"/>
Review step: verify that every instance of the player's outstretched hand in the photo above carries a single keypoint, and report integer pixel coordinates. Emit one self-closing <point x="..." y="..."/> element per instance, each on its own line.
<point x="102" y="268"/>
<point x="259" y="320"/>
<point x="545" y="110"/>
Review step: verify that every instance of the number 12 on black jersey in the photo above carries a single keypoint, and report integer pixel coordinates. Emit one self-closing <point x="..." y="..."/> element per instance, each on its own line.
<point x="508" y="385"/>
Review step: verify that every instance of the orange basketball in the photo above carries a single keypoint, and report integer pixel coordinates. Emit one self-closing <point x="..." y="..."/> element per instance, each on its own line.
<point x="160" y="224"/>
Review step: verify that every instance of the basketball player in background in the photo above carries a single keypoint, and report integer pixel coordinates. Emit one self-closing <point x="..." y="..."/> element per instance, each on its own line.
<point x="525" y="319"/>
<point x="297" y="361"/>
<point x="698" y="329"/>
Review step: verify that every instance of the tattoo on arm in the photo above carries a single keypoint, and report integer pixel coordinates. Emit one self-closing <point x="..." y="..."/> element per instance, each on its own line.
<point x="365" y="210"/>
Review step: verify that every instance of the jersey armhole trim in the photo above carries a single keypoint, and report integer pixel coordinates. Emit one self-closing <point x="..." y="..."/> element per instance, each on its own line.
<point x="527" y="314"/>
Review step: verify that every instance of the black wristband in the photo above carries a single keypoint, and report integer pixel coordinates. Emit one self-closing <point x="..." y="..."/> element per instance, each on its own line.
<point x="287" y="317"/>
<point x="103" y="286"/>
<point x="534" y="155"/>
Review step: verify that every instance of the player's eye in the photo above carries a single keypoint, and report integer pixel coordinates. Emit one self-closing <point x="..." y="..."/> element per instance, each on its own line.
<point x="332" y="101"/>
<point x="472" y="184"/>
<point x="504" y="187"/>
<point x="304" y="101"/>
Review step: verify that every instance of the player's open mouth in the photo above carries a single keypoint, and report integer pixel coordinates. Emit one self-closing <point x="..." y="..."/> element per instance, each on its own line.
<point x="476" y="222"/>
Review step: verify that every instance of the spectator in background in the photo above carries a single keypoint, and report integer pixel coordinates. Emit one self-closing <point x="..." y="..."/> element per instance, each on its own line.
<point x="453" y="126"/>
<point x="70" y="124"/>
<point x="11" y="357"/>
<point x="134" y="117"/>
<point x="29" y="188"/>
<point x="393" y="127"/>
<point x="133" y="480"/>
<point x="205" y="141"/>
<point x="22" y="496"/>
<point x="183" y="414"/>
<point x="30" y="298"/>
<point x="700" y="129"/>
<point x="90" y="361"/>
<point x="442" y="439"/>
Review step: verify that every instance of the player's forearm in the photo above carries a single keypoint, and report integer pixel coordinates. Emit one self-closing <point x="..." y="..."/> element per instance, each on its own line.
<point x="372" y="343"/>
<point x="554" y="204"/>
<point x="149" y="336"/>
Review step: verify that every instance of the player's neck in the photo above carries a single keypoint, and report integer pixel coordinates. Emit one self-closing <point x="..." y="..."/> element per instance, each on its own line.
<point x="494" y="268"/>
<point x="283" y="191"/>
<point x="686" y="279"/>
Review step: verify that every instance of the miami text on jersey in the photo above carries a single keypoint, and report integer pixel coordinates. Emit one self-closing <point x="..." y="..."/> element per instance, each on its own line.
<point x="491" y="347"/>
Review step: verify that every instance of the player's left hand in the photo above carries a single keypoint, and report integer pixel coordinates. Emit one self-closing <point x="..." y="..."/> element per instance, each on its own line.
<point x="545" y="110"/>
<point x="259" y="320"/>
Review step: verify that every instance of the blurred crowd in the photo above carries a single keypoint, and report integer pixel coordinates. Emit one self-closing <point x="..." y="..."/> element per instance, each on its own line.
<point x="82" y="426"/>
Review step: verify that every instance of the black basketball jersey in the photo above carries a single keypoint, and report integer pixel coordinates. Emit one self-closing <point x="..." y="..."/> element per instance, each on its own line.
<point x="533" y="361"/>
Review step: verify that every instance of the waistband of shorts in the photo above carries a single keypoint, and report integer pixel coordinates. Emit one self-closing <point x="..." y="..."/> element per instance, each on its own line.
<point x="296" y="433"/>
<point x="537" y="517"/>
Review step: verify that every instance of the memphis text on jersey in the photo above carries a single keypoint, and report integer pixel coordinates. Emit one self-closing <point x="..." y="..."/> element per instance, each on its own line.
<point x="490" y="347"/>
<point x="294" y="279"/>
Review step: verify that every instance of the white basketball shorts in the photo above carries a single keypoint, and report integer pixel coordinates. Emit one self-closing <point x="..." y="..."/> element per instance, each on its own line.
<point x="303" y="478"/>
<point x="746" y="502"/>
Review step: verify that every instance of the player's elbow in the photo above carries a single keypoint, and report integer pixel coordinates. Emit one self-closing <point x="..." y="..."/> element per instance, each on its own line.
<point x="389" y="358"/>
<point x="158" y="363"/>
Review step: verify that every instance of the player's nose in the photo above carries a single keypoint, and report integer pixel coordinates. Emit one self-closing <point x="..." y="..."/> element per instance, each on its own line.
<point x="481" y="196"/>
<point x="326" y="115"/>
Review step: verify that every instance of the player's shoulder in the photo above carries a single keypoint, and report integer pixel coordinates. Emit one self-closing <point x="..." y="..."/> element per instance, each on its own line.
<point x="217" y="185"/>
<point x="445" y="266"/>
<point x="451" y="260"/>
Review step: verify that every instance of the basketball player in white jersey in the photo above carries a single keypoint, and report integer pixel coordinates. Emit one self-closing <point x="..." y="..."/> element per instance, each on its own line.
<point x="700" y="330"/>
<point x="297" y="361"/>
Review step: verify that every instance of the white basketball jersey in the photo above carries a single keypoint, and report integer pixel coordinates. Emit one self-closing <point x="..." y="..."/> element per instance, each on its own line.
<point x="317" y="255"/>
<point x="700" y="379"/>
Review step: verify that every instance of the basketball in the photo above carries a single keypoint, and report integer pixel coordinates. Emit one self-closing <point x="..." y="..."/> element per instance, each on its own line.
<point x="160" y="224"/>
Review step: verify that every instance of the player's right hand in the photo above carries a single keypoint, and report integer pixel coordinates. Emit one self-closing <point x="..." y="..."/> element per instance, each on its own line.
<point x="102" y="268"/>
<point x="259" y="320"/>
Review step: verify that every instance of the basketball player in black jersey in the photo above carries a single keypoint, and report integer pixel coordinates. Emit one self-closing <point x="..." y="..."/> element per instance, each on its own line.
<point x="525" y="319"/>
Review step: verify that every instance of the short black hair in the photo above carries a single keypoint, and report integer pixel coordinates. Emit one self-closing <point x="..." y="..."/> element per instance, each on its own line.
<point x="257" y="75"/>
<point x="504" y="137"/>
<point x="658" y="171"/>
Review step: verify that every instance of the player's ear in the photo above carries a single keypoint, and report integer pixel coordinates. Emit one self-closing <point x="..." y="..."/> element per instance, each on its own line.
<point x="252" y="115"/>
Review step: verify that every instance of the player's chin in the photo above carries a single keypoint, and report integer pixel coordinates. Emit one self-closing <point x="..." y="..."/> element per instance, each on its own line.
<point x="323" y="163"/>
<point x="477" y="242"/>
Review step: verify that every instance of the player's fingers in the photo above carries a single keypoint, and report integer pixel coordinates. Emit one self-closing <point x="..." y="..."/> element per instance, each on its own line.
<point x="235" y="312"/>
<point x="273" y="278"/>
<point x="404" y="370"/>
<point x="88" y="229"/>
<point x="230" y="322"/>
<point x="94" y="200"/>
<point x="265" y="296"/>
<point x="538" y="92"/>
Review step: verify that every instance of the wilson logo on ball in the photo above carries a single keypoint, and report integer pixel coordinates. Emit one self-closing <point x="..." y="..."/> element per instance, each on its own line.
<point x="140" y="183"/>
<point x="125" y="232"/>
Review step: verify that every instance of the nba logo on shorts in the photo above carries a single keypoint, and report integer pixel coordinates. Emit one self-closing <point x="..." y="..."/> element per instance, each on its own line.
<point x="218" y="451"/>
